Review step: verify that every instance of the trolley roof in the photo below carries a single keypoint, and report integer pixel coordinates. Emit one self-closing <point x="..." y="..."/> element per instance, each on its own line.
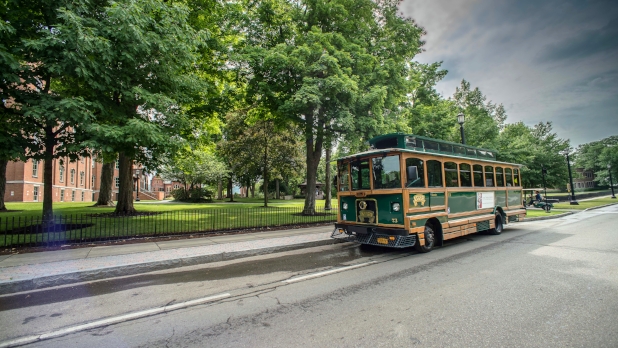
<point x="410" y="143"/>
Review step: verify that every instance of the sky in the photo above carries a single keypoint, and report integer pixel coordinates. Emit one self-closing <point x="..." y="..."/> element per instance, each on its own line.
<point x="547" y="60"/>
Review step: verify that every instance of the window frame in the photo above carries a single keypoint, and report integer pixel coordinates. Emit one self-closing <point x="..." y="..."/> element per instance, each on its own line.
<point x="35" y="168"/>
<point x="449" y="172"/>
<point x="469" y="171"/>
<point x="441" y="171"/>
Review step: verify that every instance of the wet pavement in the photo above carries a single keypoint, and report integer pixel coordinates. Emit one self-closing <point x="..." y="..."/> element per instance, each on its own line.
<point x="24" y="272"/>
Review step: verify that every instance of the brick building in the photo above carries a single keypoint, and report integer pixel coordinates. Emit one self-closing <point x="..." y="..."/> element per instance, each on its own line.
<point x="78" y="181"/>
<point x="72" y="181"/>
<point x="584" y="178"/>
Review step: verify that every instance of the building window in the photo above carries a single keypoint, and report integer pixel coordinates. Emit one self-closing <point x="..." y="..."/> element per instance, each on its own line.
<point x="81" y="178"/>
<point x="117" y="180"/>
<point x="82" y="196"/>
<point x="93" y="180"/>
<point x="73" y="196"/>
<point x="72" y="176"/>
<point x="117" y="164"/>
<point x="61" y="176"/>
<point x="61" y="195"/>
<point x="35" y="168"/>
<point x="35" y="194"/>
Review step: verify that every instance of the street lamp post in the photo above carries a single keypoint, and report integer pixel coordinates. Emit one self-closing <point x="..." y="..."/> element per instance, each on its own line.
<point x="136" y="181"/>
<point x="461" y="118"/>
<point x="611" y="183"/>
<point x="572" y="199"/>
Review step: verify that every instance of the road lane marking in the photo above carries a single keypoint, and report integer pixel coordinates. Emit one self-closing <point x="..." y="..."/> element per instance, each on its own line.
<point x="109" y="321"/>
<point x="320" y="274"/>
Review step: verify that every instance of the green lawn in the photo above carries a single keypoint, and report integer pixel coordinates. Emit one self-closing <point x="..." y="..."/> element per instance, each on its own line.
<point x="66" y="208"/>
<point x="586" y="204"/>
<point x="538" y="212"/>
<point x="170" y="219"/>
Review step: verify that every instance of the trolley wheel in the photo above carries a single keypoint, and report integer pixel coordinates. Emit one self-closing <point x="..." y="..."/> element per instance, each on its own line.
<point x="547" y="208"/>
<point x="430" y="240"/>
<point x="499" y="226"/>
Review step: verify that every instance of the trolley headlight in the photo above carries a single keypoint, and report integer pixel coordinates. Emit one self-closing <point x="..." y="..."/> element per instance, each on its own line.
<point x="396" y="206"/>
<point x="345" y="206"/>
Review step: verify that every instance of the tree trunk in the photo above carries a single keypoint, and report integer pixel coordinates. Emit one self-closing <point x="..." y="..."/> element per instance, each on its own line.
<point x="105" y="192"/>
<point x="314" y="152"/>
<point x="327" y="193"/>
<point x="230" y="189"/>
<point x="253" y="190"/>
<point x="125" y="191"/>
<point x="3" y="165"/>
<point x="48" y="179"/>
<point x="277" y="195"/>
<point x="220" y="190"/>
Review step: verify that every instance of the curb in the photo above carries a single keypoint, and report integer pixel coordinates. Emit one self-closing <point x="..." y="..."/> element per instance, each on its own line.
<point x="601" y="206"/>
<point x="126" y="270"/>
<point x="549" y="217"/>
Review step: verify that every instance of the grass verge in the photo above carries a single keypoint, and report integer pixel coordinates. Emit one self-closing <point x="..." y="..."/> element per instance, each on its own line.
<point x="586" y="204"/>
<point x="81" y="223"/>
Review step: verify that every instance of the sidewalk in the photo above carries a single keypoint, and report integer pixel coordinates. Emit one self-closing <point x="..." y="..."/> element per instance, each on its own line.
<point x="22" y="272"/>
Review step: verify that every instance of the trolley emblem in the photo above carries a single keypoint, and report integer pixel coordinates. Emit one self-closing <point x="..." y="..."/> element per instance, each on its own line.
<point x="419" y="199"/>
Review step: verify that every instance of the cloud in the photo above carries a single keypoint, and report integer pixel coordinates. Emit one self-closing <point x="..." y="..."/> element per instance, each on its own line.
<point x="497" y="45"/>
<point x="587" y="43"/>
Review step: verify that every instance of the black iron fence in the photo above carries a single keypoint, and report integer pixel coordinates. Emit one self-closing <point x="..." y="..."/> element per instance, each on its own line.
<point x="28" y="231"/>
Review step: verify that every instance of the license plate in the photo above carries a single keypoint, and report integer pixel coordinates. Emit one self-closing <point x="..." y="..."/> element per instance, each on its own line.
<point x="382" y="241"/>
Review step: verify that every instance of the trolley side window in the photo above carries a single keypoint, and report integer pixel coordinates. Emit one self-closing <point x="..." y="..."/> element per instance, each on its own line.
<point x="464" y="175"/>
<point x="434" y="173"/>
<point x="344" y="177"/>
<point x="450" y="174"/>
<point x="415" y="173"/>
<point x="509" y="176"/>
<point x="478" y="175"/>
<point x="499" y="177"/>
<point x="516" y="177"/>
<point x="489" y="176"/>
<point x="386" y="172"/>
<point x="360" y="175"/>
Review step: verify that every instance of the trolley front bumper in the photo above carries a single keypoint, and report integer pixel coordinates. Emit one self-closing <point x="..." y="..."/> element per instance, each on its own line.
<point x="372" y="235"/>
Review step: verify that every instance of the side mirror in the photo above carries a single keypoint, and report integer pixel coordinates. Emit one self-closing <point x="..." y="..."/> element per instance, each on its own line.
<point x="412" y="172"/>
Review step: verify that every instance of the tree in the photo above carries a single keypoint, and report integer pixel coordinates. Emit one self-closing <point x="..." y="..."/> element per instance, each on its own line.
<point x="39" y="86"/>
<point x="535" y="148"/>
<point x="142" y="75"/>
<point x="330" y="67"/>
<point x="255" y="147"/>
<point x="484" y="120"/>
<point x="194" y="168"/>
<point x="597" y="155"/>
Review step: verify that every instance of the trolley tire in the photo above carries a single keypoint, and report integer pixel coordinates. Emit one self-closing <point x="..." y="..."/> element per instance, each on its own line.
<point x="547" y="208"/>
<point x="499" y="225"/>
<point x="429" y="242"/>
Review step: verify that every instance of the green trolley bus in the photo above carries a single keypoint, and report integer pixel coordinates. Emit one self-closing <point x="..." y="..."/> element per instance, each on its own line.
<point x="416" y="191"/>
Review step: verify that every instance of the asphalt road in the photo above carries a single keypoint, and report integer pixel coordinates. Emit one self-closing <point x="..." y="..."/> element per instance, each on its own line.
<point x="551" y="283"/>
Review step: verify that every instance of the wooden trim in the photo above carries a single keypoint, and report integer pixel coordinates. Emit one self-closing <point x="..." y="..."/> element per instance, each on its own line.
<point x="473" y="212"/>
<point x="515" y="212"/>
<point x="425" y="216"/>
<point x="480" y="218"/>
<point x="438" y="207"/>
<point x="417" y="229"/>
<point x="418" y="210"/>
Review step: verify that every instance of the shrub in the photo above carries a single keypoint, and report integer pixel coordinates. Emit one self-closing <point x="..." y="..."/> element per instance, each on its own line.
<point x="194" y="195"/>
